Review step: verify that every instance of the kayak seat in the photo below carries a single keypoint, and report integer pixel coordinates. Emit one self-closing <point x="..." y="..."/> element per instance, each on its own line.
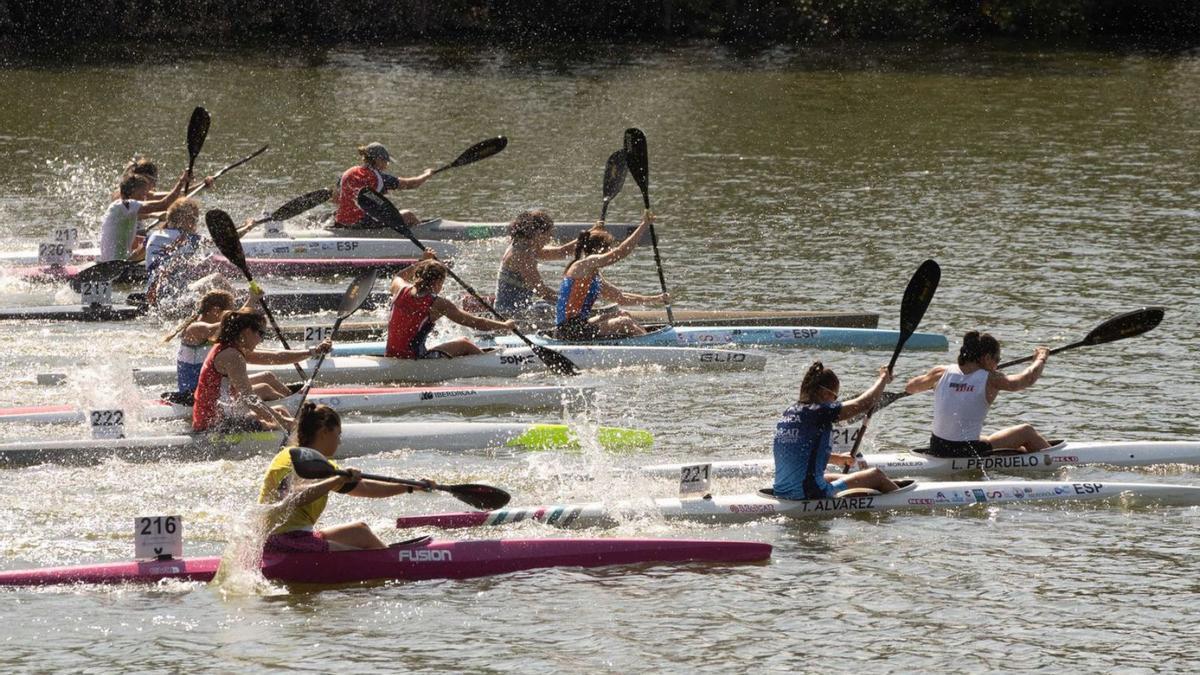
<point x="178" y="397"/>
<point x="858" y="492"/>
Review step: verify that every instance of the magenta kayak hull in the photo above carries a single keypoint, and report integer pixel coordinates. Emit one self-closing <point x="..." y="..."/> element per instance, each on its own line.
<point x="423" y="559"/>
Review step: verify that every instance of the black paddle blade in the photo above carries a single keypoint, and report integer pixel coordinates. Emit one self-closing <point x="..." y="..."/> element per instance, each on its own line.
<point x="357" y="293"/>
<point x="484" y="497"/>
<point x="105" y="271"/>
<point x="557" y="363"/>
<point x="197" y="132"/>
<point x="301" y="204"/>
<point x="917" y="296"/>
<point x="1125" y="325"/>
<point x="310" y="464"/>
<point x="481" y="150"/>
<point x="638" y="159"/>
<point x="225" y="235"/>
<point x="614" y="174"/>
<point x="378" y="207"/>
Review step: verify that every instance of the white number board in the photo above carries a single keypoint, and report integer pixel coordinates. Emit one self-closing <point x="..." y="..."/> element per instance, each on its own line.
<point x="842" y="437"/>
<point x="65" y="235"/>
<point x="54" y="253"/>
<point x="315" y="335"/>
<point x="694" y="479"/>
<point x="107" y="423"/>
<point x="155" y="536"/>
<point x="96" y="292"/>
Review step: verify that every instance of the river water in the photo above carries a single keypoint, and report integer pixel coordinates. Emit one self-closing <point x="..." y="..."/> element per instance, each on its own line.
<point x="1055" y="189"/>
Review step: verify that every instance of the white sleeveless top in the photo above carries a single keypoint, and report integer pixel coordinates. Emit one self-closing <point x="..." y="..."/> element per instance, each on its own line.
<point x="960" y="405"/>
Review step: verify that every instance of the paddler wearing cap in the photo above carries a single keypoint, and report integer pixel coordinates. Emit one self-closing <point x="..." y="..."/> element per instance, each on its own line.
<point x="371" y="173"/>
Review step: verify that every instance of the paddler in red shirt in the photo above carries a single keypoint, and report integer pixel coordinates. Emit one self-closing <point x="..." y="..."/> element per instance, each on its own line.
<point x="371" y="173"/>
<point x="416" y="307"/>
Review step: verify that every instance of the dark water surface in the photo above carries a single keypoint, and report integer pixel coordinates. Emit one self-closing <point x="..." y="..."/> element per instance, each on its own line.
<point x="1055" y="189"/>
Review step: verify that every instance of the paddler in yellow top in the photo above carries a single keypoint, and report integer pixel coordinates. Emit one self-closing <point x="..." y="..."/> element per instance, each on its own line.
<point x="318" y="427"/>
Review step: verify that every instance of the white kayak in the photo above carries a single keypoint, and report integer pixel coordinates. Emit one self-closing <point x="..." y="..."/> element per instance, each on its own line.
<point x="357" y="439"/>
<point x="444" y="229"/>
<point x="913" y="463"/>
<point x="498" y="363"/>
<point x="362" y="400"/>
<point x="807" y="337"/>
<point x="324" y="248"/>
<point x="922" y="496"/>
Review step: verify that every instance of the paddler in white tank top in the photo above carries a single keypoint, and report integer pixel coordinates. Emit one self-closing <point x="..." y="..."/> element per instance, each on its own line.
<point x="963" y="393"/>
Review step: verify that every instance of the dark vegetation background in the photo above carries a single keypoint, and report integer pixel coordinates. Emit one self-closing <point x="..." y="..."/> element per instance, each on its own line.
<point x="43" y="26"/>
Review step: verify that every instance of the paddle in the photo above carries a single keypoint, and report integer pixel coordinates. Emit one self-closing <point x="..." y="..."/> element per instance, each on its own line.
<point x="481" y="150"/>
<point x="163" y="218"/>
<point x="917" y="297"/>
<point x="225" y="235"/>
<point x="639" y="165"/>
<point x="1119" y="327"/>
<point x="196" y="133"/>
<point x="354" y="297"/>
<point x="378" y="207"/>
<point x="312" y="465"/>
<point x="292" y="209"/>
<point x="614" y="177"/>
<point x="105" y="271"/>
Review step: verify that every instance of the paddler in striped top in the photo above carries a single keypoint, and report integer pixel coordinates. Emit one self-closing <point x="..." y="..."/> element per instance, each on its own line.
<point x="963" y="394"/>
<point x="803" y="448"/>
<point x="197" y="335"/>
<point x="582" y="284"/>
<point x="371" y="173"/>
<point x="224" y="399"/>
<point x="520" y="291"/>
<point x="320" y="428"/>
<point x="416" y="307"/>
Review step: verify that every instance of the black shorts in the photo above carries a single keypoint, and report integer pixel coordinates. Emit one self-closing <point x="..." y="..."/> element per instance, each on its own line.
<point x="577" y="328"/>
<point x="939" y="447"/>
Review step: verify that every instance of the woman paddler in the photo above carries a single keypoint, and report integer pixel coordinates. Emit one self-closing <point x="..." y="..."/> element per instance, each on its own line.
<point x="416" y="307"/>
<point x="520" y="291"/>
<point x="802" y="439"/>
<point x="318" y="427"/>
<point x="964" y="392"/>
<point x="134" y="202"/>
<point x="582" y="285"/>
<point x="225" y="398"/>
<point x="371" y="172"/>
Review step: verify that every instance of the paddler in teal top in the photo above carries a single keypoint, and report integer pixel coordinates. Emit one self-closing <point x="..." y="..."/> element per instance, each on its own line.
<point x="318" y="427"/>
<point x="582" y="285"/>
<point x="802" y="439"/>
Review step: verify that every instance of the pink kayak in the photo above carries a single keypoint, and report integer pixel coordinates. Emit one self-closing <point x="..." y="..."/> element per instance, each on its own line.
<point x="422" y="558"/>
<point x="306" y="267"/>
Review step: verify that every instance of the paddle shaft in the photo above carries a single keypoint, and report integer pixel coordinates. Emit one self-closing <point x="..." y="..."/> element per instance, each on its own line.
<point x="163" y="218"/>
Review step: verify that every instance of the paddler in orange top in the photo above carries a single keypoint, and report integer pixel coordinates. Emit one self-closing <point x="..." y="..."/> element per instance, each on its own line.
<point x="416" y="307"/>
<point x="371" y="173"/>
<point x="582" y="285"/>
<point x="320" y="428"/>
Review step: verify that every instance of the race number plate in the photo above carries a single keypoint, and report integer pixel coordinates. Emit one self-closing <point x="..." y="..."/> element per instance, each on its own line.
<point x="694" y="479"/>
<point x="155" y="536"/>
<point x="65" y="235"/>
<point x="96" y="293"/>
<point x="107" y="423"/>
<point x="54" y="253"/>
<point x="842" y="437"/>
<point x="315" y="335"/>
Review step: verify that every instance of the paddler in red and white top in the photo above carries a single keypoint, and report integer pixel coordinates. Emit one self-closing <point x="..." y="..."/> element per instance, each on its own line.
<point x="372" y="173"/>
<point x="224" y="398"/>
<point x="416" y="307"/>
<point x="582" y="285"/>
<point x="320" y="428"/>
<point x="963" y="393"/>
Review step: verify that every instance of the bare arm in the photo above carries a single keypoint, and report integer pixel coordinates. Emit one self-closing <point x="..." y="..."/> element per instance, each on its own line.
<point x="998" y="381"/>
<point x="866" y="400"/>
<point x="443" y="307"/>
<point x="161" y="204"/>
<point x="622" y="250"/>
<point x="378" y="490"/>
<point x="614" y="294"/>
<point x="273" y="357"/>
<point x="563" y="252"/>
<point x="925" y="382"/>
<point x="413" y="182"/>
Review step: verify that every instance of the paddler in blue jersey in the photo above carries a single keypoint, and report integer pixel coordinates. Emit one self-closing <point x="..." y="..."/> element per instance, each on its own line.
<point x="582" y="285"/>
<point x="318" y="427"/>
<point x="802" y="439"/>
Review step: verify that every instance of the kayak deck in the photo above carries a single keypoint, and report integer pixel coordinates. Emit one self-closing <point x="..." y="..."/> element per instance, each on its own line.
<point x="417" y="560"/>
